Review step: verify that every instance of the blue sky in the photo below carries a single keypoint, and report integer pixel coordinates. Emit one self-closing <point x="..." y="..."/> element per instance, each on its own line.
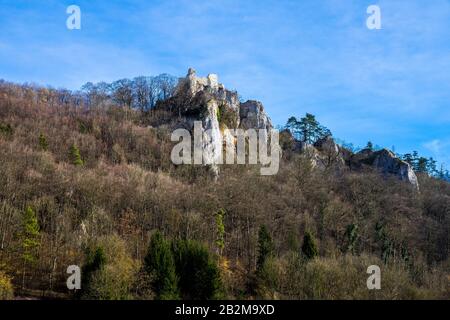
<point x="390" y="86"/>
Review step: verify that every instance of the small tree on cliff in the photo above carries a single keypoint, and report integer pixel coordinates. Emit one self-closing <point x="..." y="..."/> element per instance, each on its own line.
<point x="307" y="129"/>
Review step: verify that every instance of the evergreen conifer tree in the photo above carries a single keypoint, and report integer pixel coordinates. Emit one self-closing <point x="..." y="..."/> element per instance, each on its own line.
<point x="29" y="239"/>
<point x="43" y="142"/>
<point x="198" y="271"/>
<point x="159" y="264"/>
<point x="265" y="247"/>
<point x="75" y="156"/>
<point x="309" y="247"/>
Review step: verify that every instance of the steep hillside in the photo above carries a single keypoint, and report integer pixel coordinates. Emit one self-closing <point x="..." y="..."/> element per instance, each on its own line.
<point x="90" y="184"/>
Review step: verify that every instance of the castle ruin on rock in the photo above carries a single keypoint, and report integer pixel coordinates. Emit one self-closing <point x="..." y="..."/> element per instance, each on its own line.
<point x="205" y="99"/>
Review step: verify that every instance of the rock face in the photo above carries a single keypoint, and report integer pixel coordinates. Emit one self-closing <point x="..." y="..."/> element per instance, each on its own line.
<point x="387" y="163"/>
<point x="207" y="100"/>
<point x="212" y="136"/>
<point x="323" y="154"/>
<point x="249" y="115"/>
<point x="196" y="84"/>
<point x="331" y="152"/>
<point x="208" y="85"/>
<point x="326" y="152"/>
<point x="252" y="116"/>
<point x="327" y="144"/>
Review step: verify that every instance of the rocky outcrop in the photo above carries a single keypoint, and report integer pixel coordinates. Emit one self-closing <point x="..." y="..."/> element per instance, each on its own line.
<point x="387" y="163"/>
<point x="327" y="144"/>
<point x="205" y="99"/>
<point x="326" y="152"/>
<point x="323" y="154"/>
<point x="212" y="137"/>
<point x="252" y="116"/>
<point x="331" y="152"/>
<point x="195" y="84"/>
<point x="248" y="115"/>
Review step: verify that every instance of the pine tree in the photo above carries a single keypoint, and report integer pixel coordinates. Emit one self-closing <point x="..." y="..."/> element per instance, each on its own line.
<point x="441" y="173"/>
<point x="309" y="247"/>
<point x="220" y="229"/>
<point x="159" y="264"/>
<point x="369" y="146"/>
<point x="292" y="126"/>
<point x="293" y="241"/>
<point x="351" y="234"/>
<point x="43" y="142"/>
<point x="29" y="239"/>
<point x="387" y="249"/>
<point x="308" y="129"/>
<point x="422" y="165"/>
<point x="415" y="161"/>
<point x="432" y="167"/>
<point x="75" y="156"/>
<point x="408" y="158"/>
<point x="198" y="272"/>
<point x="311" y="130"/>
<point x="405" y="254"/>
<point x="95" y="261"/>
<point x="265" y="247"/>
<point x="387" y="246"/>
<point x="6" y="129"/>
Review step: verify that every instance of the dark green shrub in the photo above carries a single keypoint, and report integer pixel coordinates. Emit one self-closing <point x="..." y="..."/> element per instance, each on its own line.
<point x="309" y="247"/>
<point x="75" y="156"/>
<point x="265" y="247"/>
<point x="160" y="266"/>
<point x="95" y="261"/>
<point x="6" y="130"/>
<point x="199" y="275"/>
<point x="43" y="142"/>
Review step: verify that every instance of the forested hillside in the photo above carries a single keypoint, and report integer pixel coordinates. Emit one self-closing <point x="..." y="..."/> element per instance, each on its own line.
<point x="86" y="179"/>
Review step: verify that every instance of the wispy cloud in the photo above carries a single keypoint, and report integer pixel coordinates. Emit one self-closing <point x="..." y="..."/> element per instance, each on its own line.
<point x="440" y="149"/>
<point x="434" y="146"/>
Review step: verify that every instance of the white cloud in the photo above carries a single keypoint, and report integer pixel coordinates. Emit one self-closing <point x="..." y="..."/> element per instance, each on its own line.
<point x="434" y="146"/>
<point x="439" y="149"/>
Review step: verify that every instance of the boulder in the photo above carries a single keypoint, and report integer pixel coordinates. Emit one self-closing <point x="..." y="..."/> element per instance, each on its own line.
<point x="253" y="116"/>
<point x="323" y="154"/>
<point x="331" y="152"/>
<point x="387" y="163"/>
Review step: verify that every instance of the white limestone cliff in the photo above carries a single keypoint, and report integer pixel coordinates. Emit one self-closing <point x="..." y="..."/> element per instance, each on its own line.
<point x="218" y="109"/>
